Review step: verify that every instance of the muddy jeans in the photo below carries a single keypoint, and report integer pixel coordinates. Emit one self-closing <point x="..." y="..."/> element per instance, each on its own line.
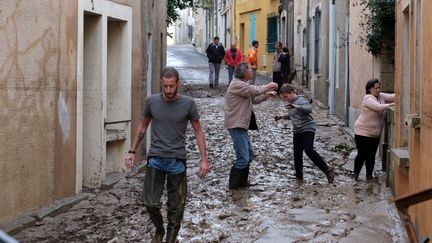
<point x="242" y="147"/>
<point x="304" y="141"/>
<point x="176" y="190"/>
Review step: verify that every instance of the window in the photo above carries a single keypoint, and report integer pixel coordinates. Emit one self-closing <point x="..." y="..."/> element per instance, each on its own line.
<point x="317" y="40"/>
<point x="272" y="35"/>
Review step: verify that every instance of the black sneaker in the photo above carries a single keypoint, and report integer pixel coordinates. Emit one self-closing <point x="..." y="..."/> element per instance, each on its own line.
<point x="211" y="85"/>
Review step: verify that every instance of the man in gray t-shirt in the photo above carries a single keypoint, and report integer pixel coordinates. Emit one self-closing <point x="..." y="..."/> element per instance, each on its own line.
<point x="169" y="113"/>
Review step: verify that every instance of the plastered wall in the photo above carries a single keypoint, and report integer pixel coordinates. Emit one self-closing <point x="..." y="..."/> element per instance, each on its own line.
<point x="29" y="103"/>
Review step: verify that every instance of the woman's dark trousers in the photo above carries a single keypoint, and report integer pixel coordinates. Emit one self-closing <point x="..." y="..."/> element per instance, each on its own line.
<point x="304" y="141"/>
<point x="366" y="150"/>
<point x="176" y="191"/>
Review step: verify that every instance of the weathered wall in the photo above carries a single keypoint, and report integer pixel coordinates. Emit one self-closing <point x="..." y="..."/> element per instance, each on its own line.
<point x="422" y="163"/>
<point x="29" y="92"/>
<point x="360" y="66"/>
<point x="65" y="132"/>
<point x="413" y="86"/>
<point x="38" y="94"/>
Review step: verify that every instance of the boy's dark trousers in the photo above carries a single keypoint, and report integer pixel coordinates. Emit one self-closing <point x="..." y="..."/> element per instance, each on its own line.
<point x="304" y="141"/>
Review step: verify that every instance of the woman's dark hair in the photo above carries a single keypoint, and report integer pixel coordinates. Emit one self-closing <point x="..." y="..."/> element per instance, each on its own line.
<point x="170" y="72"/>
<point x="240" y="69"/>
<point x="371" y="83"/>
<point x="286" y="89"/>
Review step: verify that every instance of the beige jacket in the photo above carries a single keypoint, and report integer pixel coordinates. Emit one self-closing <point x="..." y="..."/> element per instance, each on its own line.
<point x="239" y="101"/>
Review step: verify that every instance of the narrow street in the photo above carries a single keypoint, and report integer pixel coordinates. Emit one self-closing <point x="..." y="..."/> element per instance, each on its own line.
<point x="277" y="209"/>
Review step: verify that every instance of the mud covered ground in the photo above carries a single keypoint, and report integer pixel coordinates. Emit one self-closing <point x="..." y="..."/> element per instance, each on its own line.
<point x="277" y="209"/>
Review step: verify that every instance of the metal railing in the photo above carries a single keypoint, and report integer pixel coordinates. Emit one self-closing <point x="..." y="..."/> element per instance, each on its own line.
<point x="404" y="202"/>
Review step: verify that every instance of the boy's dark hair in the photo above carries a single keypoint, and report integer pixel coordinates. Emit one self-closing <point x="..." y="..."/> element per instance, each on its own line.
<point x="216" y="38"/>
<point x="371" y="83"/>
<point x="285" y="49"/>
<point x="254" y="42"/>
<point x="286" y="89"/>
<point x="170" y="72"/>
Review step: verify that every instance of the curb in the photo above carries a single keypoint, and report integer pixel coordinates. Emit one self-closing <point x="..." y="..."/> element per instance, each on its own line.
<point x="56" y="208"/>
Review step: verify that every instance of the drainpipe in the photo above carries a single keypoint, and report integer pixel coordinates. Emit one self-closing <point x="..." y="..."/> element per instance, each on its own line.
<point x="307" y="41"/>
<point x="347" y="69"/>
<point x="332" y="55"/>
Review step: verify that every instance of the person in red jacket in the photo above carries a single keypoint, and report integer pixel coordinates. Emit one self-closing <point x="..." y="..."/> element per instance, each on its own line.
<point x="232" y="57"/>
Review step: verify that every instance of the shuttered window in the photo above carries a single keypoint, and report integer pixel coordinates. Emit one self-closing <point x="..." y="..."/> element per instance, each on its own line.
<point x="272" y="35"/>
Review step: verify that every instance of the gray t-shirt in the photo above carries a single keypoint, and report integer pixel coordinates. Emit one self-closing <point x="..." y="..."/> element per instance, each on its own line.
<point x="169" y="124"/>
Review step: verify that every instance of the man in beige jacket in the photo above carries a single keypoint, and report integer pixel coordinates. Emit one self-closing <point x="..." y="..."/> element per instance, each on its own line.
<point x="239" y="118"/>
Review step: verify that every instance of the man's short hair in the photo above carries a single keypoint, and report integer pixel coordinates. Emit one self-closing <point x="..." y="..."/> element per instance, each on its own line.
<point x="170" y="72"/>
<point x="254" y="42"/>
<point x="240" y="69"/>
<point x="216" y="38"/>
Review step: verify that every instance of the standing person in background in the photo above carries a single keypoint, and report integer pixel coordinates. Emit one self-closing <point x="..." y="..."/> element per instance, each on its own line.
<point x="232" y="57"/>
<point x="239" y="118"/>
<point x="169" y="113"/>
<point x="252" y="59"/>
<point x="304" y="128"/>
<point x="284" y="59"/>
<point x="368" y="126"/>
<point x="276" y="65"/>
<point x="215" y="53"/>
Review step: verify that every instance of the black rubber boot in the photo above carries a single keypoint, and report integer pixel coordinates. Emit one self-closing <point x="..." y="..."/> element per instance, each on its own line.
<point x="330" y="175"/>
<point x="154" y="181"/>
<point x="245" y="178"/>
<point x="236" y="178"/>
<point x="177" y="192"/>
<point x="156" y="218"/>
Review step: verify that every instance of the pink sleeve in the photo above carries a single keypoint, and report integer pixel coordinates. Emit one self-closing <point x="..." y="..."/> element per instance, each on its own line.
<point x="371" y="103"/>
<point x="388" y="98"/>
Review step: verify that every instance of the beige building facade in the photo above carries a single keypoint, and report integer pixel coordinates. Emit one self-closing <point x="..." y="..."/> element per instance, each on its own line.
<point x="256" y="20"/>
<point x="72" y="78"/>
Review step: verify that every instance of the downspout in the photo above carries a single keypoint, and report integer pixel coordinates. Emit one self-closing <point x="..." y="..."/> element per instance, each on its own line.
<point x="307" y="44"/>
<point x="332" y="55"/>
<point x="347" y="69"/>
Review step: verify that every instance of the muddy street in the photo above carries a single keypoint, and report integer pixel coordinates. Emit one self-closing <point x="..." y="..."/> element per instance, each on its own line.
<point x="276" y="209"/>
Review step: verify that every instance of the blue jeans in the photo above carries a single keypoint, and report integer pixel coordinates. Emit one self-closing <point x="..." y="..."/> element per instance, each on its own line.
<point x="230" y="74"/>
<point x="242" y="147"/>
<point x="167" y="165"/>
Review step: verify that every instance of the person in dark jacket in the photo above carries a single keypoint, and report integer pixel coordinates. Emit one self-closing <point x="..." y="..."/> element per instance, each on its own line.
<point x="215" y="53"/>
<point x="299" y="110"/>
<point x="284" y="60"/>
